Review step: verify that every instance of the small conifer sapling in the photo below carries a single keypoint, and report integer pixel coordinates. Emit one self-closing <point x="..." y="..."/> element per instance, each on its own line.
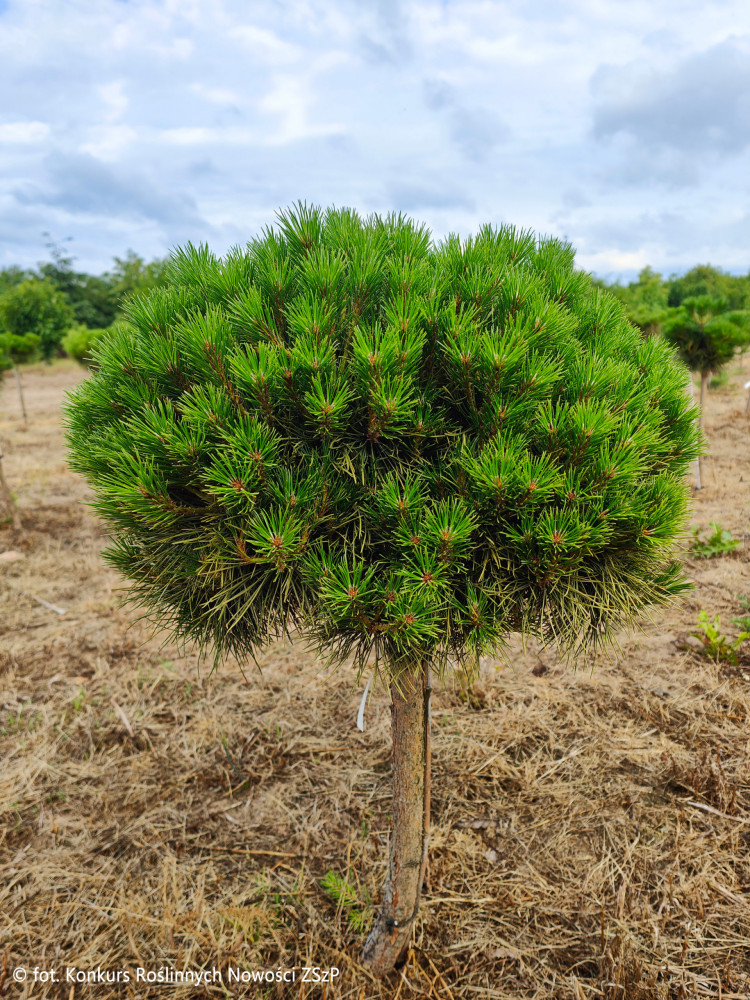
<point x="706" y="334"/>
<point x="404" y="450"/>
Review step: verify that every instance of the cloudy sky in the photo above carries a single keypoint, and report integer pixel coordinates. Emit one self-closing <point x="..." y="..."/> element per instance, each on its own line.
<point x="622" y="125"/>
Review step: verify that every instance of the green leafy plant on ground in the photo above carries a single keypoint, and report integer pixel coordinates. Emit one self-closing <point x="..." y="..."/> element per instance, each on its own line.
<point x="358" y="913"/>
<point x="719" y="543"/>
<point x="405" y="450"/>
<point x="716" y="645"/>
<point x="21" y="721"/>
<point x="744" y="620"/>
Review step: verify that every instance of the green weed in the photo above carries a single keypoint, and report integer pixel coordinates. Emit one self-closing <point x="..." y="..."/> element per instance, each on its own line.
<point x="358" y="914"/>
<point x="715" y="645"/>
<point x="744" y="620"/>
<point x="19" y="721"/>
<point x="719" y="543"/>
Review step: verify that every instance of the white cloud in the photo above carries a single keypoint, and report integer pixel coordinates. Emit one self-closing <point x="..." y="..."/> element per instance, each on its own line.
<point x="613" y="261"/>
<point x="622" y="126"/>
<point x="24" y="132"/>
<point x="216" y="95"/>
<point x="289" y="104"/>
<point x="114" y="99"/>
<point x="183" y="48"/>
<point x="108" y="142"/>
<point x="700" y="106"/>
<point x="189" y="136"/>
<point x="266" y="45"/>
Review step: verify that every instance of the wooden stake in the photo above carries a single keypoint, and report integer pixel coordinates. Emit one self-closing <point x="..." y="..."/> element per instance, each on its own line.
<point x="20" y="392"/>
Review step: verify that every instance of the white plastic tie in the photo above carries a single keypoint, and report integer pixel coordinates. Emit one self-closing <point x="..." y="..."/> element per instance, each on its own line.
<point x="361" y="712"/>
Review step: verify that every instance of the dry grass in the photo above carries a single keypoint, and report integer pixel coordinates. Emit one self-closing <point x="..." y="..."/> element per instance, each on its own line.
<point x="591" y="830"/>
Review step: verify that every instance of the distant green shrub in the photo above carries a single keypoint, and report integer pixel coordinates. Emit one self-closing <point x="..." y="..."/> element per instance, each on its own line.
<point x="79" y="342"/>
<point x="37" y="308"/>
<point x="15" y="349"/>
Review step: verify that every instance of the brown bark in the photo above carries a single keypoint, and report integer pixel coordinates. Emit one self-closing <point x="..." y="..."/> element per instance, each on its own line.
<point x="410" y="724"/>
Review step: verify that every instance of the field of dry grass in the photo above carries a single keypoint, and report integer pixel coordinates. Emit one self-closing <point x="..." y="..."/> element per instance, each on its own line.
<point x="591" y="829"/>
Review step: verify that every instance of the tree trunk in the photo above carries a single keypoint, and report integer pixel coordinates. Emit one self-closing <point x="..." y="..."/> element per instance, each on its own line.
<point x="410" y="724"/>
<point x="704" y="385"/>
<point x="6" y="497"/>
<point x="20" y="393"/>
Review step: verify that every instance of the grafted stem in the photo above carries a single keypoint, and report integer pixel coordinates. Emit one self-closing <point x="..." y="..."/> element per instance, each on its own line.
<point x="410" y="725"/>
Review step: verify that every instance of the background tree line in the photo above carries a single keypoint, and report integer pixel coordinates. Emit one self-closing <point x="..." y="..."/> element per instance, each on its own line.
<point x="55" y="308"/>
<point x="649" y="299"/>
<point x="704" y="314"/>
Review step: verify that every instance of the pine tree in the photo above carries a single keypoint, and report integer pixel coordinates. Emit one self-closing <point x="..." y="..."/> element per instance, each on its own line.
<point x="405" y="450"/>
<point x="706" y="334"/>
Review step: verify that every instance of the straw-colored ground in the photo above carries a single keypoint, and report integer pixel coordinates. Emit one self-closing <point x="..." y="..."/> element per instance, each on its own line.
<point x="591" y="830"/>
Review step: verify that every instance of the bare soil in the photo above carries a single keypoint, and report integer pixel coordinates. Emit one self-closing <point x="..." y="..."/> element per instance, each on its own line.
<point x="591" y="831"/>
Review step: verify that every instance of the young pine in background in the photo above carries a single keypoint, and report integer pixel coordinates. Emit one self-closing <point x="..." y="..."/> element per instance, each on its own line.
<point x="405" y="450"/>
<point x="706" y="334"/>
